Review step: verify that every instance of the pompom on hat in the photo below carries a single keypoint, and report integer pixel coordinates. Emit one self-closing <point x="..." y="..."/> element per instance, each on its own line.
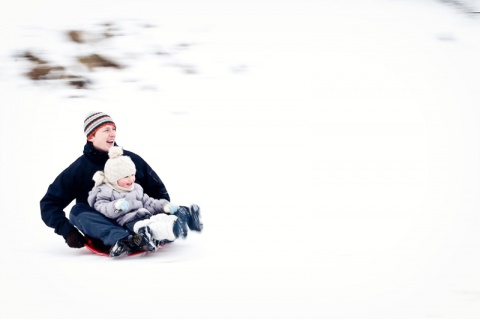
<point x="118" y="166"/>
<point x="94" y="121"/>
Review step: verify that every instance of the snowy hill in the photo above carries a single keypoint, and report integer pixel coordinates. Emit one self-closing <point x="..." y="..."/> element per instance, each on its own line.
<point x="332" y="145"/>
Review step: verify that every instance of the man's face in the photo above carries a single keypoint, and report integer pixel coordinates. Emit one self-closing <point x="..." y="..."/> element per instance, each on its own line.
<point x="104" y="138"/>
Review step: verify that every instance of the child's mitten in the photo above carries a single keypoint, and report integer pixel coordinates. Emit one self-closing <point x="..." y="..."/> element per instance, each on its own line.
<point x="122" y="204"/>
<point x="170" y="208"/>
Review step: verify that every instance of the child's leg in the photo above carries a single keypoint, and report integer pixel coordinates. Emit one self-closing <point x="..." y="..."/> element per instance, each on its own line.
<point x="167" y="227"/>
<point x="129" y="225"/>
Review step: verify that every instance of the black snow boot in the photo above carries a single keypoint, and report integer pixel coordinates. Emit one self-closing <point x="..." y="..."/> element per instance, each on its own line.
<point x="125" y="246"/>
<point x="147" y="241"/>
<point x="191" y="217"/>
<point x="195" y="221"/>
<point x="180" y="229"/>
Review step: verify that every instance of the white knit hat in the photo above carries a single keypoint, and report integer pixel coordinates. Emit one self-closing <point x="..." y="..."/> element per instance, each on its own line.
<point x="118" y="166"/>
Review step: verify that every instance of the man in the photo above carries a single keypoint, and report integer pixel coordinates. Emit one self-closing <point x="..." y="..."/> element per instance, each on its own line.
<point x="75" y="182"/>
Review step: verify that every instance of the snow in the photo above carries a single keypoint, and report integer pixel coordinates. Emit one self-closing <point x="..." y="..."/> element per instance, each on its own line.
<point x="332" y="145"/>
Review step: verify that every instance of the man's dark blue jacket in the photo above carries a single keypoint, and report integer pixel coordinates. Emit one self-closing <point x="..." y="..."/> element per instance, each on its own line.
<point x="75" y="182"/>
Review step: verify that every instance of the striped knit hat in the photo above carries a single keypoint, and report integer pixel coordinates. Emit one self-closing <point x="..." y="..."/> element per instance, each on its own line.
<point x="94" y="121"/>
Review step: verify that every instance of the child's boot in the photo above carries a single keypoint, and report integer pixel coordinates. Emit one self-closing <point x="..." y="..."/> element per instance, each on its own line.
<point x="143" y="230"/>
<point x="147" y="238"/>
<point x="191" y="217"/>
<point x="195" y="220"/>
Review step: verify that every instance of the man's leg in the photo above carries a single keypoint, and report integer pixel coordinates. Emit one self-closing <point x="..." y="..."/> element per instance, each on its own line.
<point x="95" y="225"/>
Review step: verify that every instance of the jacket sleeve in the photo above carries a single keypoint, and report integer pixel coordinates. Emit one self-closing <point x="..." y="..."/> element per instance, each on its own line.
<point x="58" y="196"/>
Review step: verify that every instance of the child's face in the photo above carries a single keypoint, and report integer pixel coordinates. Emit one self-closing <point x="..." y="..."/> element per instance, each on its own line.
<point x="127" y="181"/>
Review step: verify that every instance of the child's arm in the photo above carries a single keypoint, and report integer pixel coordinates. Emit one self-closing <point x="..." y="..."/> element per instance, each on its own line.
<point x="103" y="201"/>
<point x="158" y="206"/>
<point x="155" y="206"/>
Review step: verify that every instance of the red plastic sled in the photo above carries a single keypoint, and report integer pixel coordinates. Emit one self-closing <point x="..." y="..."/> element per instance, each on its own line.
<point x="101" y="249"/>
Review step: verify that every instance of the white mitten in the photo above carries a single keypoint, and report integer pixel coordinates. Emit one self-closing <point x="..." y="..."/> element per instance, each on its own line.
<point x="161" y="226"/>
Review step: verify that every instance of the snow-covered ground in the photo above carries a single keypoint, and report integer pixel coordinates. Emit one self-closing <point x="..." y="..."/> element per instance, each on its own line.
<point x="332" y="145"/>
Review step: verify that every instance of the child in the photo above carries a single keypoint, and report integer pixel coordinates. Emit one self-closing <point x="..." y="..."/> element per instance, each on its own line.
<point x="154" y="222"/>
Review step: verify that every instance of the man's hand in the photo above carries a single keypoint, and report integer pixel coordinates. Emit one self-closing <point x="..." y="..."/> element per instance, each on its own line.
<point x="75" y="239"/>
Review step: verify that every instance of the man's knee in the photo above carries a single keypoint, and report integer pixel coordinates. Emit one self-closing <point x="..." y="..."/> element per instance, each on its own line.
<point x="78" y="209"/>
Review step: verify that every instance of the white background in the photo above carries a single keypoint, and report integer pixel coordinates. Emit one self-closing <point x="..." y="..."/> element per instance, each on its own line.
<point x="332" y="145"/>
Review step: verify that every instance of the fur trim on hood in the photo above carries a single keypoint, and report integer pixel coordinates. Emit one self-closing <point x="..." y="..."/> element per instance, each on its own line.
<point x="99" y="178"/>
